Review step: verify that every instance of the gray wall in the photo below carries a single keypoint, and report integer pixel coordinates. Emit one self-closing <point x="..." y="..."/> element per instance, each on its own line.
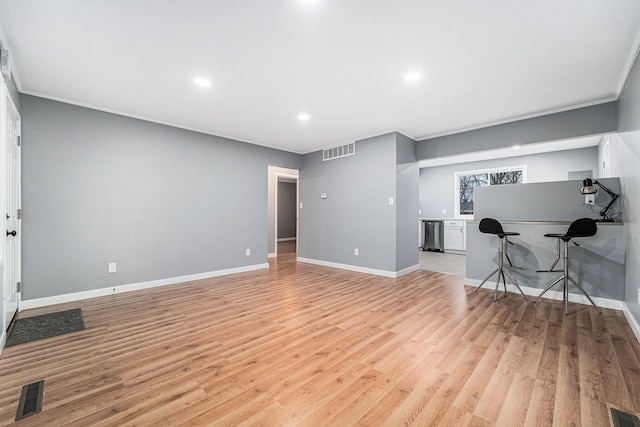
<point x="437" y="183"/>
<point x="626" y="158"/>
<point x="356" y="212"/>
<point x="544" y="201"/>
<point x="159" y="201"/>
<point x="407" y="192"/>
<point x="592" y="120"/>
<point x="287" y="210"/>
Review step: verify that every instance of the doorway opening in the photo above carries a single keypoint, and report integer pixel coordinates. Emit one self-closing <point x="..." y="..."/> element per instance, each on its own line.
<point x="283" y="211"/>
<point x="286" y="215"/>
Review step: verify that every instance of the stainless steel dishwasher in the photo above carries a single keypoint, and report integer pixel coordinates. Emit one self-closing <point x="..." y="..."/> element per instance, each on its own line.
<point x="432" y="235"/>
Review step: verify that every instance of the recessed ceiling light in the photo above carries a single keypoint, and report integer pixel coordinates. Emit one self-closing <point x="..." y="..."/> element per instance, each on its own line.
<point x="413" y="76"/>
<point x="309" y="1"/>
<point x="202" y="82"/>
<point x="303" y="117"/>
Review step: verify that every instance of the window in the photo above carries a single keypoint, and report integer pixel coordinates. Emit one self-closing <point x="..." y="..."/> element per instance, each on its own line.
<point x="466" y="181"/>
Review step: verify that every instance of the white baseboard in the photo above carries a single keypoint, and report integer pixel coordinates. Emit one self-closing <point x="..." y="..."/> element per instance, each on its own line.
<point x="635" y="327"/>
<point x="76" y="296"/>
<point x="272" y="255"/>
<point x="555" y="295"/>
<point x="454" y="252"/>
<point x="3" y="340"/>
<point x="286" y="239"/>
<point x="366" y="270"/>
<point x="407" y="270"/>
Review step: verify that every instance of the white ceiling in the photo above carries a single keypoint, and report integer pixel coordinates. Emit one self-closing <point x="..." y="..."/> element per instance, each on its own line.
<point x="340" y="61"/>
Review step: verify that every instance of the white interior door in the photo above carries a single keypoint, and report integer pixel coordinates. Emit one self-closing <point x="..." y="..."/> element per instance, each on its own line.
<point x="12" y="204"/>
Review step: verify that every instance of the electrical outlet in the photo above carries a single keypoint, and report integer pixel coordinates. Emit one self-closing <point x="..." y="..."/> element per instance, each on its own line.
<point x="301" y="205"/>
<point x="356" y="251"/>
<point x="444" y="211"/>
<point x="391" y="201"/>
<point x="247" y="252"/>
<point x="112" y="267"/>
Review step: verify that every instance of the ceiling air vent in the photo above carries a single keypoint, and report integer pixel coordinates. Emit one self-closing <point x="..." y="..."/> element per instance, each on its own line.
<point x="339" y="151"/>
<point x="5" y="66"/>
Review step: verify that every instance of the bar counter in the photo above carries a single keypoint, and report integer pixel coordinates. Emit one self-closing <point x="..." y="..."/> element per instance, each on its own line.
<point x="598" y="264"/>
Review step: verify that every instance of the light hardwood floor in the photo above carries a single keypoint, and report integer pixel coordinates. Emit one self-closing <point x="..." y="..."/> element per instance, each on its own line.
<point x="304" y="345"/>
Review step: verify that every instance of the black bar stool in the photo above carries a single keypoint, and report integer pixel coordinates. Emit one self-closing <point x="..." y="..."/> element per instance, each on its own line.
<point x="493" y="226"/>
<point x="583" y="227"/>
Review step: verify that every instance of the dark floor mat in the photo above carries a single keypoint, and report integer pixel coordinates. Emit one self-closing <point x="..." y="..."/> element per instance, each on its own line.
<point x="45" y="326"/>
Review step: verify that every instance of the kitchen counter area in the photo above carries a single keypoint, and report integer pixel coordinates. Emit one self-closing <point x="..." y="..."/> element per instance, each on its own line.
<point x="597" y="264"/>
<point x="442" y="234"/>
<point x="533" y="210"/>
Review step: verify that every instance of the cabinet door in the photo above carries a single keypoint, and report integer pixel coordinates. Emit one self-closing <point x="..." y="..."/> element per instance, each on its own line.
<point x="454" y="238"/>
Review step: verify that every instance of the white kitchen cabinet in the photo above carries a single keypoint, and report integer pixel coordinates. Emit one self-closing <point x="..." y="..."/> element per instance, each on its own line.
<point x="454" y="235"/>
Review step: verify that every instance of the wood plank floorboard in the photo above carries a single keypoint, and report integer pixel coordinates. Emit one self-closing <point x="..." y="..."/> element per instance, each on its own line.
<point x="304" y="345"/>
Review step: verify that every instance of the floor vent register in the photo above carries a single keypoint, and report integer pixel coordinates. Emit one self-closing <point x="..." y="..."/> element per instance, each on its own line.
<point x="30" y="400"/>
<point x="622" y="419"/>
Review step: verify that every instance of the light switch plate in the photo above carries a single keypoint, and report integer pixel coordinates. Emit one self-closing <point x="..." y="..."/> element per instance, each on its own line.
<point x="323" y="195"/>
<point x="112" y="267"/>
<point x="390" y="201"/>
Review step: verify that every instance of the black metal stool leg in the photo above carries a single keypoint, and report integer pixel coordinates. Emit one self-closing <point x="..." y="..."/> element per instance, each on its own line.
<point x="585" y="294"/>
<point x="495" y="294"/>
<point x="501" y="268"/>
<point x="565" y="278"/>
<point x="551" y="285"/>
<point x="502" y="271"/>
<point x="551" y="270"/>
<point x="565" y="284"/>
<point x="515" y="283"/>
<point x="487" y="278"/>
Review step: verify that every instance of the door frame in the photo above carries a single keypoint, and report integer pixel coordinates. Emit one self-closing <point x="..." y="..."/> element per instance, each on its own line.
<point x="606" y="159"/>
<point x="285" y="177"/>
<point x="8" y="103"/>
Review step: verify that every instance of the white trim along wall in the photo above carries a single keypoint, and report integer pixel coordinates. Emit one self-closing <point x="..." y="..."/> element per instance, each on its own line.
<point x="60" y="299"/>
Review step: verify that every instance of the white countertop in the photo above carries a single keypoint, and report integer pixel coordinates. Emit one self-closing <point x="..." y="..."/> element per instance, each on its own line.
<point x="599" y="223"/>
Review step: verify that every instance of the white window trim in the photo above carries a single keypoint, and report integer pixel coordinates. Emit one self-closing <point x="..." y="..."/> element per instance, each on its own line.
<point x="456" y="184"/>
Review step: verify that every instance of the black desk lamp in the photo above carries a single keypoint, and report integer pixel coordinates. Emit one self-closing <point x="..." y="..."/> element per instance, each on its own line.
<point x="588" y="188"/>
